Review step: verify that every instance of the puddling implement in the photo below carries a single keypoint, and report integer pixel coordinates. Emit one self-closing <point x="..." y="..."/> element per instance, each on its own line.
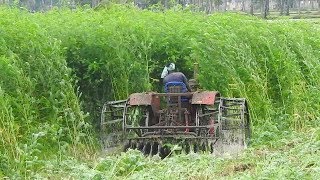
<point x="155" y="123"/>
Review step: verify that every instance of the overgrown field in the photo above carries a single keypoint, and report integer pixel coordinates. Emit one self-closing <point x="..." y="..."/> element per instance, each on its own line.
<point x="57" y="68"/>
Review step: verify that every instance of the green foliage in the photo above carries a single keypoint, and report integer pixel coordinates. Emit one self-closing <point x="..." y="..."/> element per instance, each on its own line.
<point x="39" y="111"/>
<point x="296" y="156"/>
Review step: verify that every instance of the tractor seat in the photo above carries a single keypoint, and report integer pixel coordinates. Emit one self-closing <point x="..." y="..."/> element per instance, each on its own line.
<point x="176" y="87"/>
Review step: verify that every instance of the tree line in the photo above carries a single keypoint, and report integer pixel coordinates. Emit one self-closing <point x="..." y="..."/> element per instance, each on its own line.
<point x="260" y="7"/>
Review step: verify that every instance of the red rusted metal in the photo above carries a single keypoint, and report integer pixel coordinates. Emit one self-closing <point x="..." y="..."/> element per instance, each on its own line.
<point x="205" y="97"/>
<point x="145" y="99"/>
<point x="211" y="130"/>
<point x="138" y="99"/>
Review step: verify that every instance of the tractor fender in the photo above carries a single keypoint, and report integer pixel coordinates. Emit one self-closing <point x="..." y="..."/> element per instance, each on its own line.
<point x="137" y="99"/>
<point x="205" y="97"/>
<point x="145" y="99"/>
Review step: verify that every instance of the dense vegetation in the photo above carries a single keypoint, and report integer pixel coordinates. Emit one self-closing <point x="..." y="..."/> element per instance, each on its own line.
<point x="39" y="110"/>
<point x="49" y="60"/>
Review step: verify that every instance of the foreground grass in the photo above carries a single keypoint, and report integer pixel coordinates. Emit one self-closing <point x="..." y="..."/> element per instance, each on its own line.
<point x="293" y="156"/>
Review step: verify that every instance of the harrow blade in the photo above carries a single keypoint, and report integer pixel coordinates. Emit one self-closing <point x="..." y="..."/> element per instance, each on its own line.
<point x="151" y="148"/>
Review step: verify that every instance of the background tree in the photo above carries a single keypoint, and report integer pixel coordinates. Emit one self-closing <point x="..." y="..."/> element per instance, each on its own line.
<point x="265" y="8"/>
<point x="253" y="7"/>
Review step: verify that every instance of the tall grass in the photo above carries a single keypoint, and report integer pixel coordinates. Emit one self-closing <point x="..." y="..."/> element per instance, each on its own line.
<point x="275" y="66"/>
<point x="39" y="110"/>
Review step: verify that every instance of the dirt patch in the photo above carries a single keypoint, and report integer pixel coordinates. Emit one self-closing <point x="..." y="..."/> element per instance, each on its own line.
<point x="232" y="168"/>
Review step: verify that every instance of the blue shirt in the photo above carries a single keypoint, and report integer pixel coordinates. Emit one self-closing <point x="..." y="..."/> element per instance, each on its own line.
<point x="177" y="77"/>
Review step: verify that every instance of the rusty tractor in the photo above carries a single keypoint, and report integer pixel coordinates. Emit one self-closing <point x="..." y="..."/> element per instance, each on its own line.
<point x="157" y="123"/>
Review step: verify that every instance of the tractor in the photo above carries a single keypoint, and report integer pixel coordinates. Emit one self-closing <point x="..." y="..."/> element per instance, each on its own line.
<point x="197" y="121"/>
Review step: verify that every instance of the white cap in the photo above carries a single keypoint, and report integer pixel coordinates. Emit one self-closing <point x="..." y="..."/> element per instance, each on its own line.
<point x="166" y="69"/>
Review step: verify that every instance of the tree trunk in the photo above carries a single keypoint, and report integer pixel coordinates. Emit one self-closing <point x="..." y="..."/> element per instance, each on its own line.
<point x="251" y="7"/>
<point x="261" y="7"/>
<point x="287" y="8"/>
<point x="225" y="5"/>
<point x="202" y="5"/>
<point x="265" y="11"/>
<point x="243" y="6"/>
<point x="42" y="5"/>
<point x="210" y="6"/>
<point x="299" y="7"/>
<point x="281" y="7"/>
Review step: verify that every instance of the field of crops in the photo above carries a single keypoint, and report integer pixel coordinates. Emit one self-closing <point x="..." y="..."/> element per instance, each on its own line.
<point x="57" y="68"/>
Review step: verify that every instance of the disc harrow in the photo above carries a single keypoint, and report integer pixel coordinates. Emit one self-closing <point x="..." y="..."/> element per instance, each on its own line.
<point x="165" y="124"/>
<point x="150" y="148"/>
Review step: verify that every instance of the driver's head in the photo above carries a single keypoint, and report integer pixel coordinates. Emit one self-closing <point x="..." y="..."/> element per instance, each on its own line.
<point x="169" y="68"/>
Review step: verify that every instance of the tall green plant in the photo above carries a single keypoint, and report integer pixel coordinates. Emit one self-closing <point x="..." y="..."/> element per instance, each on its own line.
<point x="40" y="112"/>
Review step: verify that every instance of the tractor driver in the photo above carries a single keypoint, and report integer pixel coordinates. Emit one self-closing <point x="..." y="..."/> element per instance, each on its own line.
<point x="169" y="75"/>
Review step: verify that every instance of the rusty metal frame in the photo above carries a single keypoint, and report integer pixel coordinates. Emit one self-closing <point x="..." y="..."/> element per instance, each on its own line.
<point x="157" y="131"/>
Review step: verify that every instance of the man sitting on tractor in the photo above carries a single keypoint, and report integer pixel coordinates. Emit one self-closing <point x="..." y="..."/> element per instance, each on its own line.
<point x="170" y="76"/>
